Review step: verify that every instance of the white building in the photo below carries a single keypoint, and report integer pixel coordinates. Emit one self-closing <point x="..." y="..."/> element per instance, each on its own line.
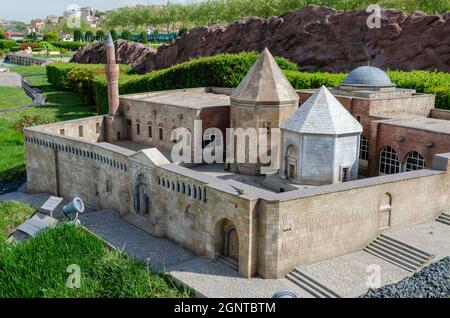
<point x="320" y="142"/>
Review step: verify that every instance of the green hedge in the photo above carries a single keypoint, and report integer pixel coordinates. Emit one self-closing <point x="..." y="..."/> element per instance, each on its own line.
<point x="57" y="72"/>
<point x="7" y="44"/>
<point x="71" y="46"/>
<point x="437" y="83"/>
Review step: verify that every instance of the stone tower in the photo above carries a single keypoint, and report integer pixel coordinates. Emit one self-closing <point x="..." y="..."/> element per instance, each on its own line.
<point x="320" y="142"/>
<point x="264" y="99"/>
<point x="112" y="76"/>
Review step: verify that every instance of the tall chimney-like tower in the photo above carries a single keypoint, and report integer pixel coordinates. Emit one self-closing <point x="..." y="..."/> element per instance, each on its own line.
<point x="112" y="76"/>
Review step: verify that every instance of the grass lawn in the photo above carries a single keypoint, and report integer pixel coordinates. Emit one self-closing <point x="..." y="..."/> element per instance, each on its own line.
<point x="11" y="97"/>
<point x="60" y="106"/>
<point x="38" y="267"/>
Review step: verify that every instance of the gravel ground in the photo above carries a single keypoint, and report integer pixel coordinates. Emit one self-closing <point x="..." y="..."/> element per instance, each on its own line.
<point x="431" y="282"/>
<point x="12" y="186"/>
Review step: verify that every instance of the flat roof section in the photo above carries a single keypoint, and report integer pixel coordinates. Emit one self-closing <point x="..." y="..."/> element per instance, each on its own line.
<point x="427" y="124"/>
<point x="195" y="99"/>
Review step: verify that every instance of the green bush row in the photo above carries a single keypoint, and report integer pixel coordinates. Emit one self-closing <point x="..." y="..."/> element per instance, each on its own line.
<point x="78" y="77"/>
<point x="71" y="46"/>
<point x="7" y="44"/>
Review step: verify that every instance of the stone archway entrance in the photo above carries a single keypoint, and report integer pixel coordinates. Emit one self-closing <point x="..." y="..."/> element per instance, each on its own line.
<point x="141" y="197"/>
<point x="232" y="244"/>
<point x="291" y="162"/>
<point x="385" y="212"/>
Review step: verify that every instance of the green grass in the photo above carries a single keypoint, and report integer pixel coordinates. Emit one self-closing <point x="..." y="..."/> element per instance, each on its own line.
<point x="60" y="106"/>
<point x="38" y="267"/>
<point x="11" y="97"/>
<point x="12" y="214"/>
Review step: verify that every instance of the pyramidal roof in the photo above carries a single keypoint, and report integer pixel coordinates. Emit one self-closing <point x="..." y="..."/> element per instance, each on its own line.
<point x="109" y="41"/>
<point x="265" y="83"/>
<point x="322" y="113"/>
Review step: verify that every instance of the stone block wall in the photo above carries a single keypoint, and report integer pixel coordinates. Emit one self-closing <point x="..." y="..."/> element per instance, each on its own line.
<point x="70" y="167"/>
<point x="332" y="220"/>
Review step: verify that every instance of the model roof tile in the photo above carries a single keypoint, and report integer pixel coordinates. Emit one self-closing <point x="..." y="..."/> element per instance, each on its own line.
<point x="322" y="113"/>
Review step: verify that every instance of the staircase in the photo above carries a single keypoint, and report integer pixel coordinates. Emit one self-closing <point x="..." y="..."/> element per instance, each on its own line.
<point x="444" y="218"/>
<point x="229" y="261"/>
<point x="310" y="285"/>
<point x="398" y="253"/>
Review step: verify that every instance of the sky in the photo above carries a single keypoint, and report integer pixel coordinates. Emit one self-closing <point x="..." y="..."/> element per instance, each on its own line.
<point x="25" y="10"/>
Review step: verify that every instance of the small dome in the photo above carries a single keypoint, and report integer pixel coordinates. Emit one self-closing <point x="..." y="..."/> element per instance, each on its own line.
<point x="368" y="76"/>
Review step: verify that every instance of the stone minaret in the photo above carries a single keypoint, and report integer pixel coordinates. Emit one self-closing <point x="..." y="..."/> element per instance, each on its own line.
<point x="112" y="76"/>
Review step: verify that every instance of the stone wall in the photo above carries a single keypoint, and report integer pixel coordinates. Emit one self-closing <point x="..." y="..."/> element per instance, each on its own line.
<point x="70" y="167"/>
<point x="343" y="218"/>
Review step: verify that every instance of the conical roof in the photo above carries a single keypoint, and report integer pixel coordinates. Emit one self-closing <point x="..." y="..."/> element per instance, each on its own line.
<point x="109" y="41"/>
<point x="322" y="113"/>
<point x="265" y="83"/>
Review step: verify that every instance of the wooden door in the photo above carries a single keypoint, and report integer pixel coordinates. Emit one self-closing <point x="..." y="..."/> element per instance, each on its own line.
<point x="291" y="171"/>
<point x="233" y="244"/>
<point x="129" y="130"/>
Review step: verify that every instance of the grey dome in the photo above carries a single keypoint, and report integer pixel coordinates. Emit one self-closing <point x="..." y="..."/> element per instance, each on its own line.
<point x="367" y="76"/>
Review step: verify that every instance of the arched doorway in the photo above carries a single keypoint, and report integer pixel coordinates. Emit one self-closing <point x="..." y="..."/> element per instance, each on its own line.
<point x="291" y="162"/>
<point x="232" y="243"/>
<point x="385" y="212"/>
<point x="141" y="197"/>
<point x="226" y="242"/>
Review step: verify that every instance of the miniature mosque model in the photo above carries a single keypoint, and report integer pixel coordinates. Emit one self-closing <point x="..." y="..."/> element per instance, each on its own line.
<point x="353" y="161"/>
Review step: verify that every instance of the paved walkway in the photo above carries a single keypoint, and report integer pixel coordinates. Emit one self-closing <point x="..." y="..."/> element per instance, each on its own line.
<point x="15" y="79"/>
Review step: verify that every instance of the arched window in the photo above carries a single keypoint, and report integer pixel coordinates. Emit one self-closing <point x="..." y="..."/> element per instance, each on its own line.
<point x="178" y="186"/>
<point x="189" y="191"/>
<point x="199" y="193"/>
<point x="163" y="182"/>
<point x="183" y="188"/>
<point x="195" y="192"/>
<point x="161" y="132"/>
<point x="415" y="161"/>
<point x="150" y="129"/>
<point x="138" y="127"/>
<point x="364" y="149"/>
<point x="389" y="163"/>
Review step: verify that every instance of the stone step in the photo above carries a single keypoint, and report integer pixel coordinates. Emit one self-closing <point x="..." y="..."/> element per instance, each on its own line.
<point x="444" y="218"/>
<point x="398" y="253"/>
<point x="228" y="261"/>
<point x="310" y="285"/>
<point x="395" y="252"/>
<point x="405" y="251"/>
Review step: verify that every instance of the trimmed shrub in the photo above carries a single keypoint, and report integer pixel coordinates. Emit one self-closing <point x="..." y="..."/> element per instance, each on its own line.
<point x="71" y="46"/>
<point x="7" y="44"/>
<point x="77" y="77"/>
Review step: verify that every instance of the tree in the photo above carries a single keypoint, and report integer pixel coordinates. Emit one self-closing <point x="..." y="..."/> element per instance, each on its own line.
<point x="2" y="34"/>
<point x="51" y="37"/>
<point x="143" y="38"/>
<point x="114" y="34"/>
<point x="182" y="31"/>
<point x="100" y="35"/>
<point x="126" y="35"/>
<point x="77" y="36"/>
<point x="89" y="36"/>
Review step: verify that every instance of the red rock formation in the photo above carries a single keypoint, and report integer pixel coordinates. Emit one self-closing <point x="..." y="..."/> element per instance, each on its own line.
<point x="322" y="38"/>
<point x="131" y="53"/>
